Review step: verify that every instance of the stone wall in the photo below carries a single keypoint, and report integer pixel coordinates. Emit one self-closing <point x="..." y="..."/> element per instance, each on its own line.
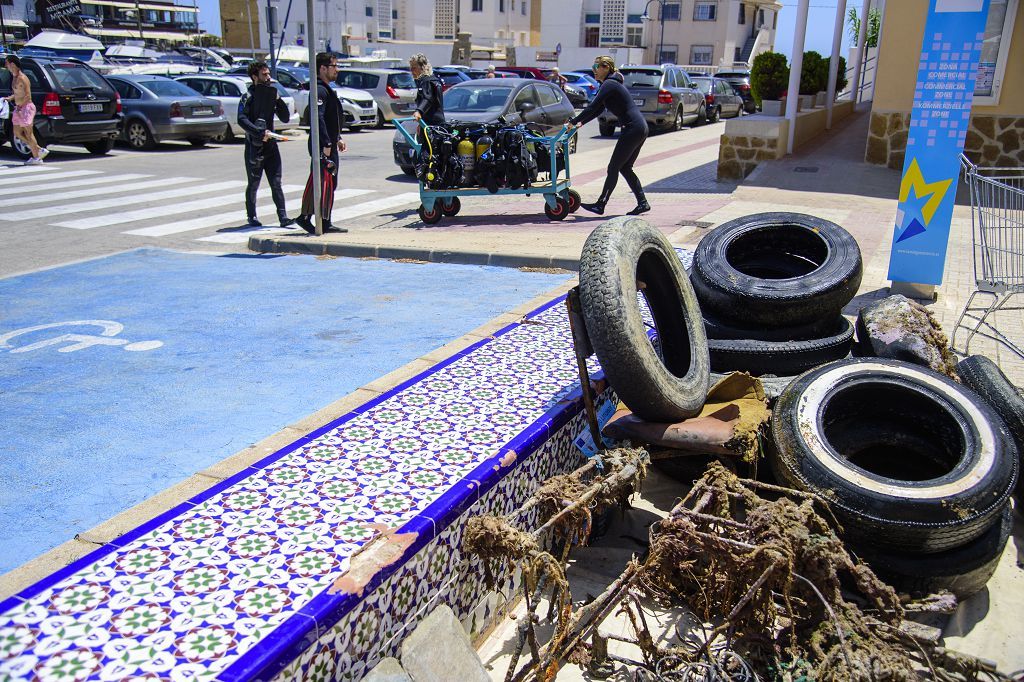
<point x="991" y="140"/>
<point x="739" y="155"/>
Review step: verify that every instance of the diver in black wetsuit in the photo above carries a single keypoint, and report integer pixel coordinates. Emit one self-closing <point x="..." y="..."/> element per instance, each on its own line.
<point x="614" y="97"/>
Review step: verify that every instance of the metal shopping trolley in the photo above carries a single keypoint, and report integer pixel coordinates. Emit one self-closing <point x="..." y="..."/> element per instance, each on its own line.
<point x="559" y="199"/>
<point x="997" y="225"/>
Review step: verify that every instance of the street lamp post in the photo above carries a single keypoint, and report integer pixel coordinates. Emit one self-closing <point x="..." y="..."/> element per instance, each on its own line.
<point x="647" y="17"/>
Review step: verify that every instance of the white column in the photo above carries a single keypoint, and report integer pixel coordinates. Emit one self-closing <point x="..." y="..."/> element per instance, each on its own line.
<point x="862" y="37"/>
<point x="833" y="62"/>
<point x="796" y="64"/>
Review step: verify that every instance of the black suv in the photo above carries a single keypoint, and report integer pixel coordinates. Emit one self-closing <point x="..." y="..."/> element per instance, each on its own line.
<point x="74" y="105"/>
<point x="740" y="82"/>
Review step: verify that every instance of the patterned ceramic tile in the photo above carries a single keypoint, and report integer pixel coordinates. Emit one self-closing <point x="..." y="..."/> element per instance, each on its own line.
<point x="216" y="590"/>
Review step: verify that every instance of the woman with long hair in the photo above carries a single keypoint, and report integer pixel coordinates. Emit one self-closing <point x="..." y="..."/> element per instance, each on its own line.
<point x="614" y="97"/>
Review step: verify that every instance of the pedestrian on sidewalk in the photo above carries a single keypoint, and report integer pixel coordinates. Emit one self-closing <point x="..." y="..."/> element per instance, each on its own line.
<point x="614" y="97"/>
<point x="557" y="78"/>
<point x="256" y="111"/>
<point x="325" y="171"/>
<point x="24" y="113"/>
<point x="490" y="72"/>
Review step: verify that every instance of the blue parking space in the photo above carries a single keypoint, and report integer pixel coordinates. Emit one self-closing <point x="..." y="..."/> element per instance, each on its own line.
<point x="122" y="376"/>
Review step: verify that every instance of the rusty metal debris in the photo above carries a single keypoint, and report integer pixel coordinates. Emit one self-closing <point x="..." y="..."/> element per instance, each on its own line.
<point x="773" y="591"/>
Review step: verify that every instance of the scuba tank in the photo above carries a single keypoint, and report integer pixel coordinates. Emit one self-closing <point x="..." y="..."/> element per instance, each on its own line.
<point x="483" y="143"/>
<point x="467" y="153"/>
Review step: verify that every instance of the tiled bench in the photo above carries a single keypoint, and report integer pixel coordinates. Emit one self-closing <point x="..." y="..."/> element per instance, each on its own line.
<point x="316" y="561"/>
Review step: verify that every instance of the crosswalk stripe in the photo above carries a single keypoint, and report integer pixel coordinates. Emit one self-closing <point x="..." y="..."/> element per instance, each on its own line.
<point x="122" y="217"/>
<point x="18" y="170"/>
<point x="227" y="218"/>
<point x="119" y="202"/>
<point x="120" y="186"/>
<point x="242" y="236"/>
<point x="345" y="212"/>
<point x="20" y="180"/>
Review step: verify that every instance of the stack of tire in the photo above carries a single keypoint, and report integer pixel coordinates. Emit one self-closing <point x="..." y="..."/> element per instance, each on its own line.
<point x="771" y="288"/>
<point x="917" y="468"/>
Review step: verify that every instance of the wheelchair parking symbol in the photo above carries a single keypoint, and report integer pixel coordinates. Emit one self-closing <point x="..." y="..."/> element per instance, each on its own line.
<point x="70" y="342"/>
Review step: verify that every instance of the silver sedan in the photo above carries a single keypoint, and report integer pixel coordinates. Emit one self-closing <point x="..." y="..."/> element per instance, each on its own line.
<point x="157" y="109"/>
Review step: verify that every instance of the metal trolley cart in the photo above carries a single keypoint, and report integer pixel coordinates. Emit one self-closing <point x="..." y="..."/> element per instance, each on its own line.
<point x="559" y="199"/>
<point x="997" y="219"/>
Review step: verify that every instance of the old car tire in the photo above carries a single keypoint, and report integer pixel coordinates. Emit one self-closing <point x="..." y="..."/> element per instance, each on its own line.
<point x="776" y="270"/>
<point x="715" y="328"/>
<point x="909" y="460"/>
<point x="781" y="358"/>
<point x="100" y="147"/>
<point x="986" y="379"/>
<point x="616" y="256"/>
<point x="962" y="570"/>
<point x="606" y="130"/>
<point x="137" y="135"/>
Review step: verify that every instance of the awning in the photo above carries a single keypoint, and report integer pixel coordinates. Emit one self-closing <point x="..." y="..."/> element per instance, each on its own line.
<point x="154" y="35"/>
<point x="142" y="5"/>
<point x="15" y="23"/>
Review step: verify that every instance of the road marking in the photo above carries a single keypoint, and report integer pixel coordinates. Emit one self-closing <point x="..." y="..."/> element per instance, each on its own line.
<point x="236" y="217"/>
<point x="76" y="341"/>
<point x="18" y="170"/>
<point x="94" y="191"/>
<point x="123" y="217"/>
<point x="242" y="236"/>
<point x="118" y="202"/>
<point x="346" y="212"/>
<point x="17" y="180"/>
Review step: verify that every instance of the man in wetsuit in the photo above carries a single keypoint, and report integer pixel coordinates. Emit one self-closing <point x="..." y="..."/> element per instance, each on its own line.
<point x="256" y="112"/>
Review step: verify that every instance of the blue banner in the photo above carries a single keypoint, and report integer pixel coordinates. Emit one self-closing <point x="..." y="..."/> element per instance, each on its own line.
<point x="953" y="35"/>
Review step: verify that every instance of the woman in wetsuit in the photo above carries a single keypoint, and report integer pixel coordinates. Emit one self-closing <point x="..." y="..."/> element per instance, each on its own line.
<point x="614" y="97"/>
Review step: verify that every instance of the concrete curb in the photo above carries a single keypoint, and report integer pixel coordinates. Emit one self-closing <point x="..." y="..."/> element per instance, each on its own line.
<point x="321" y="247"/>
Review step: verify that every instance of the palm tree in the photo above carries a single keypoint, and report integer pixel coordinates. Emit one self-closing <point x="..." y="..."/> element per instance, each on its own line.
<point x="874" y="24"/>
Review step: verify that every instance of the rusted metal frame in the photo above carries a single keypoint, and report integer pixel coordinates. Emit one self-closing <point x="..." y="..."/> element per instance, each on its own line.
<point x="583" y="350"/>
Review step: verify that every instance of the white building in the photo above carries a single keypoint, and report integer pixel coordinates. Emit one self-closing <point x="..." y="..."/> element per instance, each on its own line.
<point x="499" y="22"/>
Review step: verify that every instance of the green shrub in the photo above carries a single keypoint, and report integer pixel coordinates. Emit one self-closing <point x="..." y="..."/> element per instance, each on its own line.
<point x="769" y="76"/>
<point x="841" y="80"/>
<point x="814" y="74"/>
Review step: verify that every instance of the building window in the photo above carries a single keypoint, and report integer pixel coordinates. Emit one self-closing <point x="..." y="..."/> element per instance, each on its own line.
<point x="995" y="48"/>
<point x="522" y="38"/>
<point x="592" y="19"/>
<point x="592" y="37"/>
<point x="760" y="17"/>
<point x="369" y="12"/>
<point x="478" y="6"/>
<point x="701" y="55"/>
<point x="301" y="30"/>
<point x="635" y="36"/>
<point x="394" y="14"/>
<point x="522" y="8"/>
<point x="671" y="11"/>
<point x="668" y="54"/>
<point x="501" y="6"/>
<point x="705" y="11"/>
<point x="743" y="13"/>
<point x="634" y="19"/>
<point x="737" y="55"/>
<point x="775" y="20"/>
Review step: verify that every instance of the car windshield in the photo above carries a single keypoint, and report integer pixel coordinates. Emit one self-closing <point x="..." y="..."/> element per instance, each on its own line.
<point x="163" y="88"/>
<point x="637" y="78"/>
<point x="77" y="76"/>
<point x="733" y="75"/>
<point x="281" y="89"/>
<point x="402" y="80"/>
<point x="702" y="84"/>
<point x="476" y="98"/>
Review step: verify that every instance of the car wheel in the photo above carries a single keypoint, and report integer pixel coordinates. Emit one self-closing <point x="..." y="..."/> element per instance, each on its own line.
<point x="715" y="115"/>
<point x="380" y="119"/>
<point x="136" y="133"/>
<point x="224" y="137"/>
<point x="702" y="116"/>
<point x="20" y="148"/>
<point x="606" y="129"/>
<point x="100" y="147"/>
<point x="198" y="141"/>
<point x="677" y="123"/>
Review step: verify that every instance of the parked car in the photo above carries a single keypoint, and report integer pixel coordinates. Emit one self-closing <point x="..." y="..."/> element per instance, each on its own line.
<point x="394" y="90"/>
<point x="516" y="100"/>
<point x="588" y="84"/>
<point x="720" y="99"/>
<point x="587" y="72"/>
<point x="740" y="82"/>
<point x="74" y="105"/>
<point x="577" y="97"/>
<point x="291" y="77"/>
<point x="524" y="72"/>
<point x="357" y="106"/>
<point x="157" y="109"/>
<point x="450" y="77"/>
<point x="228" y="91"/>
<point x="666" y="97"/>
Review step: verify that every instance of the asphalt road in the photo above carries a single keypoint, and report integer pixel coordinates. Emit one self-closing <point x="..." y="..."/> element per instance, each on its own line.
<point x="78" y="206"/>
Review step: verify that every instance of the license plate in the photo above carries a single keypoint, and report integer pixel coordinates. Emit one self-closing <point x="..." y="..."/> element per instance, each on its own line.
<point x="638" y="102"/>
<point x="202" y="112"/>
<point x="369" y="112"/>
<point x="85" y="108"/>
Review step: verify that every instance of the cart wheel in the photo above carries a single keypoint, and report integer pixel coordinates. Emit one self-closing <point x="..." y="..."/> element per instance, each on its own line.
<point x="451" y="206"/>
<point x="560" y="210"/>
<point x="574" y="201"/>
<point x="431" y="217"/>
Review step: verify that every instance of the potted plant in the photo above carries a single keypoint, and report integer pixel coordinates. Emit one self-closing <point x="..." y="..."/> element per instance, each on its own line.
<point x="769" y="77"/>
<point x="813" y="79"/>
<point x="841" y="80"/>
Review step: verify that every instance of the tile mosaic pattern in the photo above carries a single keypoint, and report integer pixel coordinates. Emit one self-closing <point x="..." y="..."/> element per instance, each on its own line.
<point x="233" y="583"/>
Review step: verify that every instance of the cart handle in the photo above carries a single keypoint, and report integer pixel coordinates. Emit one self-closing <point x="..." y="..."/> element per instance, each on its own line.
<point x="406" y="134"/>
